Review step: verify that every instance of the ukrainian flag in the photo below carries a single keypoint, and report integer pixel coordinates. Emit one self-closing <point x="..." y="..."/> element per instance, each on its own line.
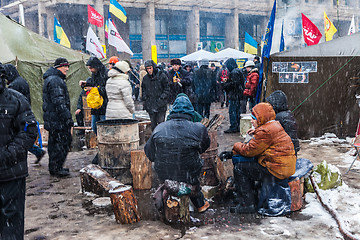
<point x="250" y="44"/>
<point x="116" y="9"/>
<point x="59" y="34"/>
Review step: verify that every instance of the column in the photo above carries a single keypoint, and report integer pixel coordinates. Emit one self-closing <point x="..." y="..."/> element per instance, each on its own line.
<point x="232" y="29"/>
<point x="41" y="11"/>
<point x="99" y="7"/>
<point x="192" y="30"/>
<point x="148" y="30"/>
<point x="50" y="22"/>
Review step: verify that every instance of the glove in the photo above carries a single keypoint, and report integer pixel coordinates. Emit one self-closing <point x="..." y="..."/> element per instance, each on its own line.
<point x="225" y="155"/>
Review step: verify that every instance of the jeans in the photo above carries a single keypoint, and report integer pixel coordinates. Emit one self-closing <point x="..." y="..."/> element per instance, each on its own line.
<point x="234" y="114"/>
<point x="94" y="119"/>
<point x="12" y="205"/>
<point x="36" y="150"/>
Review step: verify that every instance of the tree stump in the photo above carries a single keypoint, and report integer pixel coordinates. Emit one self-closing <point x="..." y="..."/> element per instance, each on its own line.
<point x="141" y="170"/>
<point x="177" y="210"/>
<point x="125" y="205"/>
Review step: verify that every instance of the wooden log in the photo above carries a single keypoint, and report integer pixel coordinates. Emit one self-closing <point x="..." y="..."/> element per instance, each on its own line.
<point x="177" y="210"/>
<point x="125" y="205"/>
<point x="90" y="139"/>
<point x="96" y="180"/>
<point x="220" y="170"/>
<point x="297" y="194"/>
<point x="141" y="170"/>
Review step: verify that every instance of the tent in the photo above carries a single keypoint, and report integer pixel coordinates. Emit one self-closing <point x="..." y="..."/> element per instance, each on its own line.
<point x="197" y="56"/>
<point x="33" y="55"/>
<point x="321" y="82"/>
<point x="232" y="53"/>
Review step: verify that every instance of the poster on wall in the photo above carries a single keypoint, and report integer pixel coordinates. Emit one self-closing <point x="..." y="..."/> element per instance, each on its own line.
<point x="307" y="67"/>
<point x="294" y="72"/>
<point x="292" y="77"/>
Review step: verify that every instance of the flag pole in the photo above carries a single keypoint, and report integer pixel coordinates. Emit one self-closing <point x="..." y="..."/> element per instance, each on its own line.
<point x="266" y="77"/>
<point x="337" y="12"/>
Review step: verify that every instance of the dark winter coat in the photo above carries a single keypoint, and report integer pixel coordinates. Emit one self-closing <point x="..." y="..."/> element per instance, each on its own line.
<point x="252" y="81"/>
<point x="175" y="145"/>
<point x="98" y="80"/>
<point x="15" y="138"/>
<point x="278" y="100"/>
<point x="234" y="86"/>
<point x="155" y="91"/>
<point x="56" y="101"/>
<point x="175" y="87"/>
<point x="16" y="82"/>
<point x="204" y="85"/>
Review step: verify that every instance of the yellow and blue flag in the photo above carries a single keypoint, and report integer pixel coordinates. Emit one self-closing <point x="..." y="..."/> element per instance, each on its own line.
<point x="118" y="11"/>
<point x="250" y="45"/>
<point x="59" y="34"/>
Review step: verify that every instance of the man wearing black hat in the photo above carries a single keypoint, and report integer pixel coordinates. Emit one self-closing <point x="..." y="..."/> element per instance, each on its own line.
<point x="57" y="116"/>
<point x="257" y="62"/>
<point x="17" y="134"/>
<point x="179" y="80"/>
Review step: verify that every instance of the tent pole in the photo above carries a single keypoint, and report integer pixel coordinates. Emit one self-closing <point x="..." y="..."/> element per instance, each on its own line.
<point x="266" y="77"/>
<point x="16" y="62"/>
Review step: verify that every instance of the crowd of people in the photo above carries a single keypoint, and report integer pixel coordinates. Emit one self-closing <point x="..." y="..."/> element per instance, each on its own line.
<point x="175" y="145"/>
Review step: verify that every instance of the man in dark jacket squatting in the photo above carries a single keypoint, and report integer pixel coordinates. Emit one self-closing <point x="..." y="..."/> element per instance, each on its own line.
<point x="175" y="147"/>
<point x="57" y="116"/>
<point x="17" y="134"/>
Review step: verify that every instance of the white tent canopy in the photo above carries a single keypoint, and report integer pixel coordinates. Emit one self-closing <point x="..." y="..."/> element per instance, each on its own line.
<point x="232" y="53"/>
<point x="198" y="55"/>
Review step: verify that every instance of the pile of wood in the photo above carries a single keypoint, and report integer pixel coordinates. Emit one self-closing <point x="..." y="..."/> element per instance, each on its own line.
<point x="96" y="180"/>
<point x="214" y="123"/>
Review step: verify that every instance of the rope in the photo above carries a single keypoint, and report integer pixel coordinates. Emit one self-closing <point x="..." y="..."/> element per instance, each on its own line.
<point x="324" y="83"/>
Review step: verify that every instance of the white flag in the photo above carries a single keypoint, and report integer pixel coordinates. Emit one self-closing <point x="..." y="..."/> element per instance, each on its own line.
<point x="352" y="26"/>
<point x="116" y="40"/>
<point x="93" y="44"/>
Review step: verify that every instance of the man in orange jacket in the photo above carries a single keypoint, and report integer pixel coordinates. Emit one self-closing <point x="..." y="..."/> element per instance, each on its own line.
<point x="268" y="157"/>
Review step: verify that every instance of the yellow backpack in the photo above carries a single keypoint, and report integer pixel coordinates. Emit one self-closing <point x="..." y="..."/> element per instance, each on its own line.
<point x="94" y="99"/>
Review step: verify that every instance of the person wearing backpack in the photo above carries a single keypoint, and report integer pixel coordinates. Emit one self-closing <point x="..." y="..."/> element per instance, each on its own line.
<point x="221" y="78"/>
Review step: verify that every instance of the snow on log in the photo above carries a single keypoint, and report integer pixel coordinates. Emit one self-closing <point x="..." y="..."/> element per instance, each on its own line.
<point x="96" y="180"/>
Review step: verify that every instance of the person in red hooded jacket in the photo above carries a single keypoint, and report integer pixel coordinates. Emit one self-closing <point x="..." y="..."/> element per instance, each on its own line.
<point x="251" y="83"/>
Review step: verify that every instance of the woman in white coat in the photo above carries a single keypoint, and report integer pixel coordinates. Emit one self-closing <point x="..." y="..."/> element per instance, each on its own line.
<point x="119" y="92"/>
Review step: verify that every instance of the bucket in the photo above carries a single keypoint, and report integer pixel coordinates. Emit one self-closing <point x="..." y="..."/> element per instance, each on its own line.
<point x="245" y="124"/>
<point x="116" y="139"/>
<point x="86" y="112"/>
<point x="208" y="171"/>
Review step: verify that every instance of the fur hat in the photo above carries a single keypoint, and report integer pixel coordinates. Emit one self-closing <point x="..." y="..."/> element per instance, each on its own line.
<point x="175" y="61"/>
<point x="249" y="64"/>
<point x="61" y="62"/>
<point x="123" y="66"/>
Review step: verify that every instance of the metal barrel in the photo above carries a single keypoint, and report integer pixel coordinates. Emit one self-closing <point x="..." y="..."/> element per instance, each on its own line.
<point x="116" y="139"/>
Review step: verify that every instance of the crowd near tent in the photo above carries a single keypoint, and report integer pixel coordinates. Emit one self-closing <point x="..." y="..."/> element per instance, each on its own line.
<point x="321" y="83"/>
<point x="33" y="55"/>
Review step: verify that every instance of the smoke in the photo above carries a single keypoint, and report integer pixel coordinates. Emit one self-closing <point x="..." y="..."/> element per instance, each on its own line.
<point x="290" y="14"/>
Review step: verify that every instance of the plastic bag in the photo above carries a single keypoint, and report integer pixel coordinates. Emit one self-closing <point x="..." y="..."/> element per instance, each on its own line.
<point x="94" y="99"/>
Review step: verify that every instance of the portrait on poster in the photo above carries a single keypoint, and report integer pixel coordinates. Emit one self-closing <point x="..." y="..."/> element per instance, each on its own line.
<point x="306" y="67"/>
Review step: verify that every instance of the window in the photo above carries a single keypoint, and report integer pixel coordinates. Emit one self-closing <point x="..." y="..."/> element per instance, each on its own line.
<point x="135" y="26"/>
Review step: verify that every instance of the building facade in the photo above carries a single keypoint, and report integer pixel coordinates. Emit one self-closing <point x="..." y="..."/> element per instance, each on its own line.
<point x="176" y="27"/>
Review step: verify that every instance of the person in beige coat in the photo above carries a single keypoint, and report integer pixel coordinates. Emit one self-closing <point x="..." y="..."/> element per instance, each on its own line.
<point x="118" y="88"/>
